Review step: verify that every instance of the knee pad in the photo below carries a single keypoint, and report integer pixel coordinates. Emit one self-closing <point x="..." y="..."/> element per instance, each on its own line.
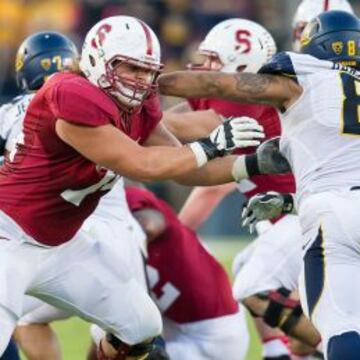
<point x="344" y="346"/>
<point x="275" y="316"/>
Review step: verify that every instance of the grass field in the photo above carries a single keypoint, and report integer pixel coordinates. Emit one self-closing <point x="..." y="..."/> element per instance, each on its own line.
<point x="74" y="335"/>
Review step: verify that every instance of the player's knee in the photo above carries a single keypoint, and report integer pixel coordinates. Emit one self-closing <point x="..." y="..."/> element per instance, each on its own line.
<point x="152" y="325"/>
<point x="149" y="324"/>
<point x="344" y="346"/>
<point x="255" y="305"/>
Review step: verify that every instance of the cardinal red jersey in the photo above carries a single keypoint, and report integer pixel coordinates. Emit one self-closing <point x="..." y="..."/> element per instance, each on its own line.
<point x="188" y="283"/>
<point x="268" y="117"/>
<point x="49" y="189"/>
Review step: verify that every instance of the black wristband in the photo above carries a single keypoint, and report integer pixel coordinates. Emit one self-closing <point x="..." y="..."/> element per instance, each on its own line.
<point x="252" y="166"/>
<point x="210" y="149"/>
<point x="288" y="204"/>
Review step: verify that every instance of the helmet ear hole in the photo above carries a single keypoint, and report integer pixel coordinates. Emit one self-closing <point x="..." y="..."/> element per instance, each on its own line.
<point x="92" y="60"/>
<point x="241" y="68"/>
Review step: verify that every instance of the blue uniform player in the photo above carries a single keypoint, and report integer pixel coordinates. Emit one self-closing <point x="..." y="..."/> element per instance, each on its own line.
<point x="38" y="57"/>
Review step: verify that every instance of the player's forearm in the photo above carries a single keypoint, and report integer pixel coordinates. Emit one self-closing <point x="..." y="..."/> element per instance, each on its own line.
<point x="242" y="87"/>
<point x="157" y="163"/>
<point x="201" y="203"/>
<point x="192" y="125"/>
<point x="216" y="172"/>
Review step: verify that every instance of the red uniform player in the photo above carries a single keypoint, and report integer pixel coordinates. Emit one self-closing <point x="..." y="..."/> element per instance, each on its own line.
<point x="79" y="131"/>
<point x="201" y="318"/>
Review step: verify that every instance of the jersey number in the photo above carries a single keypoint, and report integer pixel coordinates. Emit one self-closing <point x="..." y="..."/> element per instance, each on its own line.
<point x="351" y="104"/>
<point x="169" y="292"/>
<point x="77" y="196"/>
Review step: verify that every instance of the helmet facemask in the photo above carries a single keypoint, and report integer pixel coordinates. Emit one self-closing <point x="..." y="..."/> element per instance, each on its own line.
<point x="210" y="62"/>
<point x="129" y="91"/>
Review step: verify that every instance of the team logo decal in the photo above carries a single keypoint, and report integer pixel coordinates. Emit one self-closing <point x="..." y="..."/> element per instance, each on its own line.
<point x="45" y="64"/>
<point x="337" y="47"/>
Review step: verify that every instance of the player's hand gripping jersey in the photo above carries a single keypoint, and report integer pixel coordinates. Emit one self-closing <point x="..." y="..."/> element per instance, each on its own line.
<point x="321" y="130"/>
<point x="188" y="283"/>
<point x="71" y="185"/>
<point x="267" y="116"/>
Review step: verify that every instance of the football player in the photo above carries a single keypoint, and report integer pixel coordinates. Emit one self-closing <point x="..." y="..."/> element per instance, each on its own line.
<point x="242" y="45"/>
<point x="201" y="318"/>
<point x="316" y="94"/>
<point x="76" y="128"/>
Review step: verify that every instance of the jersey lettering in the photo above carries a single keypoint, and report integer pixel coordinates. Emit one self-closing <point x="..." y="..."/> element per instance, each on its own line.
<point x="169" y="292"/>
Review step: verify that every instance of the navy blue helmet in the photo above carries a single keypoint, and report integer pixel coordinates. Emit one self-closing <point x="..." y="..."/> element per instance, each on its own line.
<point x="335" y="36"/>
<point x="41" y="55"/>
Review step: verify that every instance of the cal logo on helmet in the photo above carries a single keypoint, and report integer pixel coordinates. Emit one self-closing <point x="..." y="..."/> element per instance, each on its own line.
<point x="338" y="47"/>
<point x="45" y="64"/>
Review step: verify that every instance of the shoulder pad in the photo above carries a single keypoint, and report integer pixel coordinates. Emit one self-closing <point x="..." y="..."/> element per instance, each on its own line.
<point x="280" y="64"/>
<point x="294" y="65"/>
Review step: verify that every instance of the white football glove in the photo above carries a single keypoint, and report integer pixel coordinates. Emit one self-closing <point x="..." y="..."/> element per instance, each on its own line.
<point x="264" y="206"/>
<point x="238" y="132"/>
<point x="233" y="133"/>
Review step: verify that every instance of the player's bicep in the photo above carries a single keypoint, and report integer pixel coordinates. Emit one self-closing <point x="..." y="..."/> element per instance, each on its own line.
<point x="104" y="145"/>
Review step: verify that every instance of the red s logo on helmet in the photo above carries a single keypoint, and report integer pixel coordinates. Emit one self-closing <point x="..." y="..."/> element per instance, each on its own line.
<point x="101" y="35"/>
<point x="242" y="37"/>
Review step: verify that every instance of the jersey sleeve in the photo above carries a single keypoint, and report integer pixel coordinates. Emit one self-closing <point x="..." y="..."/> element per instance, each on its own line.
<point x="81" y="104"/>
<point x="151" y="115"/>
<point x="198" y="104"/>
<point x="138" y="199"/>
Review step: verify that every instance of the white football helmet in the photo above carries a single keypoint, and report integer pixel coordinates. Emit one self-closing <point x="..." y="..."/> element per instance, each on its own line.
<point x="240" y="45"/>
<point x="114" y="41"/>
<point x="309" y="9"/>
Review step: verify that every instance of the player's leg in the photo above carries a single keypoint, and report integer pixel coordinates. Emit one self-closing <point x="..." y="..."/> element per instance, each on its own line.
<point x="330" y="282"/>
<point x="11" y="352"/>
<point x="33" y="333"/>
<point x="281" y="309"/>
<point x="38" y="342"/>
<point x="91" y="281"/>
<point x="274" y="342"/>
<point x="266" y="280"/>
<point x="19" y="264"/>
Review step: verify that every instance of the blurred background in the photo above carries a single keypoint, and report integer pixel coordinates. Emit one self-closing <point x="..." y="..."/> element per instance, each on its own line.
<point x="180" y="25"/>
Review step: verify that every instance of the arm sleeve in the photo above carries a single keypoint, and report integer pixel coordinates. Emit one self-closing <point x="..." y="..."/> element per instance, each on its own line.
<point x="81" y="104"/>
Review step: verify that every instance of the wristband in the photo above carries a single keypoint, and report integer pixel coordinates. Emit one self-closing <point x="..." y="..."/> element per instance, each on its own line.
<point x="238" y="170"/>
<point x="199" y="152"/>
<point x="252" y="166"/>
